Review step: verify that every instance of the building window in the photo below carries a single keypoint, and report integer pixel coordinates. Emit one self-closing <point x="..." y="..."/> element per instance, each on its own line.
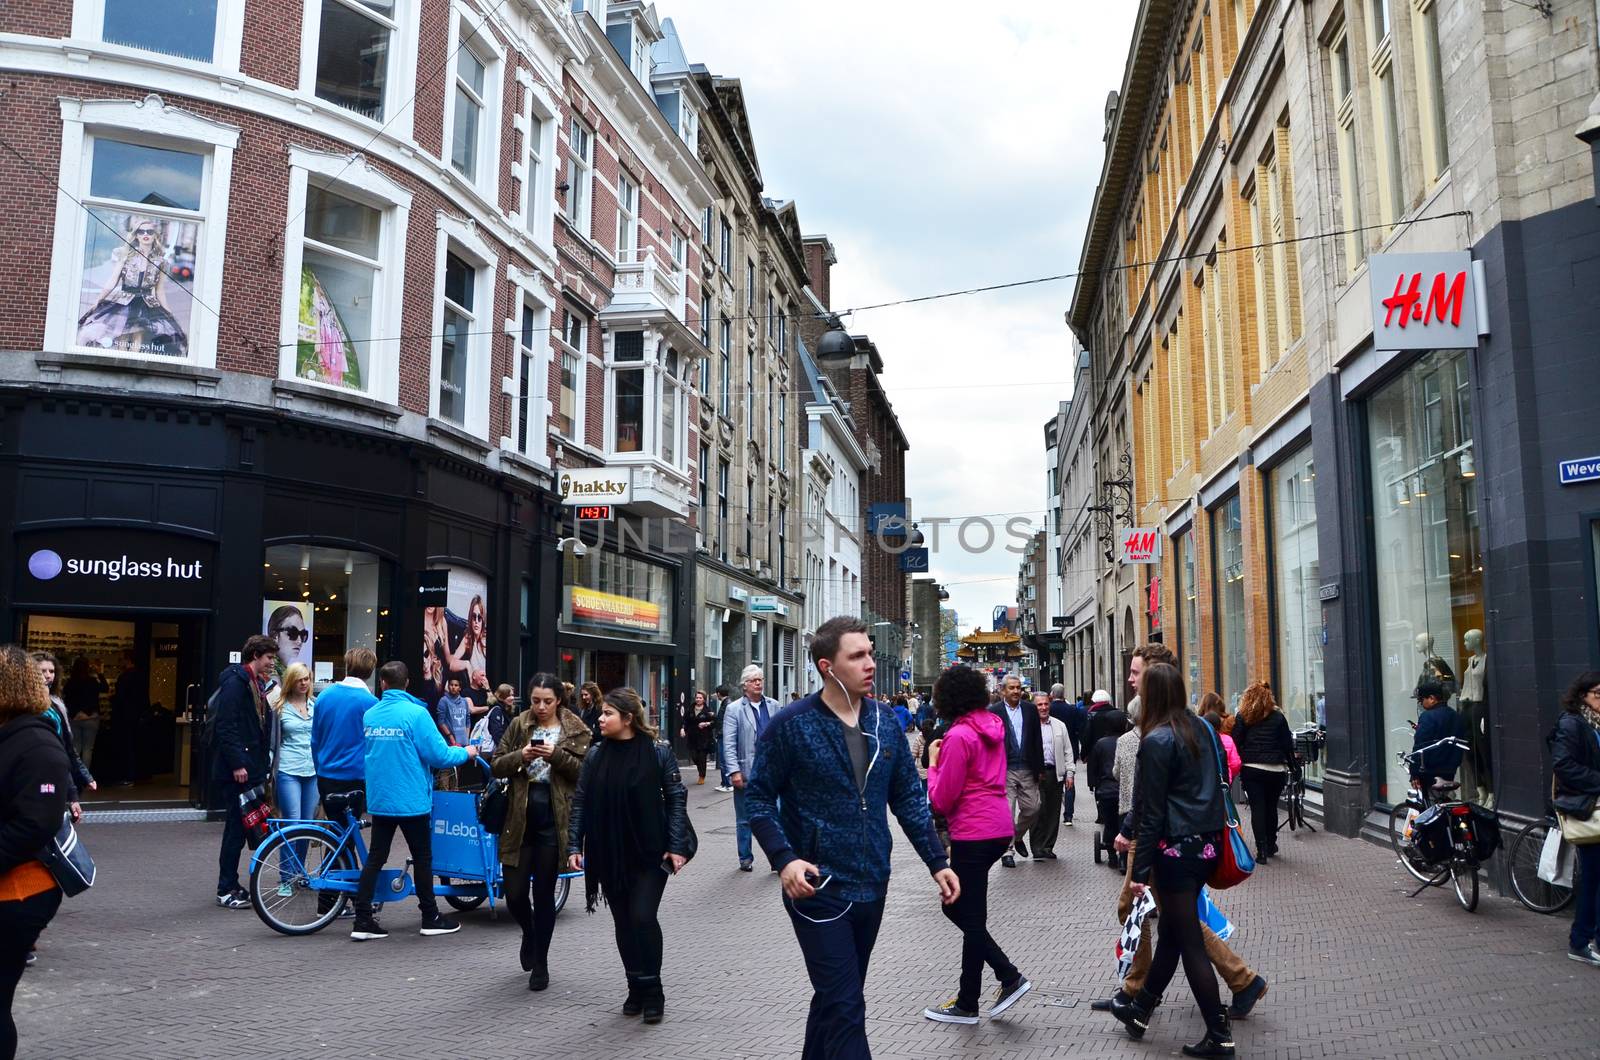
<point x="725" y="370"/>
<point x="783" y="430"/>
<point x="1227" y="566"/>
<point x="726" y="255"/>
<point x="1219" y="400"/>
<point x="783" y="330"/>
<point x="580" y="173"/>
<point x="471" y="75"/>
<point x="783" y="547"/>
<point x="758" y="638"/>
<point x="680" y="250"/>
<point x="750" y="391"/>
<point x="1344" y="119"/>
<point x="538" y="177"/>
<point x="750" y="521"/>
<point x="144" y="229"/>
<point x="704" y="469"/>
<point x="340" y="267"/>
<point x="627" y="217"/>
<point x="671" y="398"/>
<point x="531" y="381"/>
<point x="186" y="30"/>
<point x="1188" y="600"/>
<point x="460" y="296"/>
<point x="705" y="333"/>
<point x="1427" y="551"/>
<point x="1430" y="86"/>
<point x="628" y="377"/>
<point x="712" y="630"/>
<point x="1276" y="264"/>
<point x="353" y="48"/>
<point x="722" y="510"/>
<point x="772" y="316"/>
<point x="705" y="227"/>
<point x="574" y="343"/>
<point x="750" y="294"/>
<point x="1297" y="611"/>
<point x="1380" y="46"/>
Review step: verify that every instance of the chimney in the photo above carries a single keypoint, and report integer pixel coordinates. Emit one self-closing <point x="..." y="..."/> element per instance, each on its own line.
<point x="820" y="259"/>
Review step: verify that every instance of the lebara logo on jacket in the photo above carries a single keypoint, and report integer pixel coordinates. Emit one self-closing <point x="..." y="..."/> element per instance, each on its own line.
<point x="44" y="564"/>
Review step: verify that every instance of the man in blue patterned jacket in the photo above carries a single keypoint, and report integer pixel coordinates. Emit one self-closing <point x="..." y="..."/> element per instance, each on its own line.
<point x="826" y="769"/>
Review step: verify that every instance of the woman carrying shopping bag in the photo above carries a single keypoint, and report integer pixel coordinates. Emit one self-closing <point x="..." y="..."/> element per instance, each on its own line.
<point x="1575" y="760"/>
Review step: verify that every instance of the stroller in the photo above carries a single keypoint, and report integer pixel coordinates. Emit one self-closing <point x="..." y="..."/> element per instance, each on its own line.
<point x="1103" y="782"/>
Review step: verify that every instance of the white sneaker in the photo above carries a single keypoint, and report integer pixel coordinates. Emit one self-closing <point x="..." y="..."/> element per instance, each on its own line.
<point x="951" y="1012"/>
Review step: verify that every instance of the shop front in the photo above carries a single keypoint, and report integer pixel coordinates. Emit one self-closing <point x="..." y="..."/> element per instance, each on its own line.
<point x="618" y="625"/>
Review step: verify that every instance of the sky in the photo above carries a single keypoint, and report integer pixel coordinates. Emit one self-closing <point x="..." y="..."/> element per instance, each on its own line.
<point x="940" y="146"/>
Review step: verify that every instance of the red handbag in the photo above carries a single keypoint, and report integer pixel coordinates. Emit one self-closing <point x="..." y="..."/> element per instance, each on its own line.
<point x="1234" y="862"/>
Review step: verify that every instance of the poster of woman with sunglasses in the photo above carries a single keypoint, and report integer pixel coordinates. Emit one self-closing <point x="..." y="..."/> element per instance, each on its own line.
<point x="455" y="638"/>
<point x="134" y="293"/>
<point x="288" y="623"/>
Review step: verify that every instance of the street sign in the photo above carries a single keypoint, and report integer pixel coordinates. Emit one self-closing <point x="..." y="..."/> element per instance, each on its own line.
<point x="1141" y="545"/>
<point x="1423" y="301"/>
<point x="905" y="675"/>
<point x="592" y="511"/>
<point x="887" y="519"/>
<point x="590" y="485"/>
<point x="1060" y="622"/>
<point x="1585" y="470"/>
<point x="767" y="605"/>
<point x="914" y="560"/>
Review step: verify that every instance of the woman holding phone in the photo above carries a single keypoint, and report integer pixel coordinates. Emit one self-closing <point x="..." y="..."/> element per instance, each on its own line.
<point x="629" y="831"/>
<point x="540" y="752"/>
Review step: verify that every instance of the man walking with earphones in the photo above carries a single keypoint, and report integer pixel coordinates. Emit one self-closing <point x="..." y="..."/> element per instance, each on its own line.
<point x="826" y="769"/>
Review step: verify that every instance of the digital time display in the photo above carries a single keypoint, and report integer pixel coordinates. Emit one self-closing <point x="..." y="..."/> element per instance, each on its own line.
<point x="593" y="511"/>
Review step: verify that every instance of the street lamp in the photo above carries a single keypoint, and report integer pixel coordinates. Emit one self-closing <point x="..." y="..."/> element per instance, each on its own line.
<point x="836" y="346"/>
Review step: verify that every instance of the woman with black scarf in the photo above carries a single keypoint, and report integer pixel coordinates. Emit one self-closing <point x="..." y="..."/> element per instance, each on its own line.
<point x="628" y="832"/>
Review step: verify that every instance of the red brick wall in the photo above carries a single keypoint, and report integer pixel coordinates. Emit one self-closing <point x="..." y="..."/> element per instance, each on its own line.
<point x="271" y="47"/>
<point x="39" y="18"/>
<point x="434" y="76"/>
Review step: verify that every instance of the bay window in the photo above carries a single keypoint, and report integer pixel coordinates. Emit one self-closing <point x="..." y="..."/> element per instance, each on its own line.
<point x="628" y="401"/>
<point x="671" y="399"/>
<point x="647" y="389"/>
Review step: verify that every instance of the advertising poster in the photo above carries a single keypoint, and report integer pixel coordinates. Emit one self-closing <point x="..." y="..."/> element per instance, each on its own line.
<point x="455" y="638"/>
<point x="138" y="272"/>
<point x="288" y="623"/>
<point x="323" y="350"/>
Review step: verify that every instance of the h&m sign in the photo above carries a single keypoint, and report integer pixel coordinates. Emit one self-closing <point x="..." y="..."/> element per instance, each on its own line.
<point x="1141" y="545"/>
<point x="1426" y="301"/>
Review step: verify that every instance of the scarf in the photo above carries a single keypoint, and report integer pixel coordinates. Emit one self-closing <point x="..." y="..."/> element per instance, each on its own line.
<point x="624" y="817"/>
<point x="1590" y="715"/>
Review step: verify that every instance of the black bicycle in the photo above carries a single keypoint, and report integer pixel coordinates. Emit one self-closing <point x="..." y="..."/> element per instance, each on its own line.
<point x="1438" y="838"/>
<point x="1308" y="745"/>
<point x="1522" y="869"/>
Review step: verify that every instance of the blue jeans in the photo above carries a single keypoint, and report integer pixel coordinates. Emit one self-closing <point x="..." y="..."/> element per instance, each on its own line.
<point x="836" y="938"/>
<point x="297" y="799"/>
<point x="741" y="818"/>
<point x="1586" y="921"/>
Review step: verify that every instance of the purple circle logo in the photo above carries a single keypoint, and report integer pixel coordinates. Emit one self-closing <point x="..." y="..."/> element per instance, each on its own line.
<point x="44" y="564"/>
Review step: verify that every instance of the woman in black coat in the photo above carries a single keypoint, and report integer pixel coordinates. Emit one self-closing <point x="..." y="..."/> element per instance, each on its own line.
<point x="629" y="830"/>
<point x="699" y="732"/>
<point x="1575" y="759"/>
<point x="1266" y="746"/>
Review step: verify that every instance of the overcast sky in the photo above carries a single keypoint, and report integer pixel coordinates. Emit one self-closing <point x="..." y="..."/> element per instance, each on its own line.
<point x="941" y="146"/>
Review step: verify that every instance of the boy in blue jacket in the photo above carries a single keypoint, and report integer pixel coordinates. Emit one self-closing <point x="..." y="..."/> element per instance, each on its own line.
<point x="826" y="768"/>
<point x="403" y="747"/>
<point x="1438" y="722"/>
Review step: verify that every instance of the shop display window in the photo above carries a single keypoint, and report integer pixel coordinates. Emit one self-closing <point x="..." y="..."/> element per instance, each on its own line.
<point x="1227" y="534"/>
<point x="318" y="603"/>
<point x="609" y="594"/>
<point x="1297" y="611"/>
<point x="1188" y="599"/>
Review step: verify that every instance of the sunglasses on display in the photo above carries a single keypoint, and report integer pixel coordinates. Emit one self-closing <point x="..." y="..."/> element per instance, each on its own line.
<point x="294" y="633"/>
<point x="145" y="232"/>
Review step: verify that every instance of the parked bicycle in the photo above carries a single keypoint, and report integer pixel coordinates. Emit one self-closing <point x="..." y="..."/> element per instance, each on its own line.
<point x="1308" y="745"/>
<point x="1438" y="838"/>
<point x="1522" y="867"/>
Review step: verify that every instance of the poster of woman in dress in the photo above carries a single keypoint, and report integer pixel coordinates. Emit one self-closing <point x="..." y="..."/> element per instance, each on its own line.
<point x="323" y="350"/>
<point x="455" y="638"/>
<point x="135" y="292"/>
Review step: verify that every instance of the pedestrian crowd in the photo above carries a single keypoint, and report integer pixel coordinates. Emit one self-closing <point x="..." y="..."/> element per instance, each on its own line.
<point x="974" y="775"/>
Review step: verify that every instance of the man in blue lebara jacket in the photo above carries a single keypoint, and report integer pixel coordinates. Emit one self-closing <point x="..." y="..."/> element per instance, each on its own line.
<point x="403" y="748"/>
<point x="825" y="770"/>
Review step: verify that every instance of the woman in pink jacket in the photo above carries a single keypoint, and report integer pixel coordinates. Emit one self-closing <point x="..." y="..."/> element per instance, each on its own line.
<point x="967" y="785"/>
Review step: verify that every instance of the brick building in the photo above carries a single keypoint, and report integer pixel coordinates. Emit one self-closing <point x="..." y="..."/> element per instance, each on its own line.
<point x="1316" y="483"/>
<point x="332" y="300"/>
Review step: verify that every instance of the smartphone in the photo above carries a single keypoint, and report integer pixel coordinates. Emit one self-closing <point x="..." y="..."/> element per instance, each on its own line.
<point x="537" y="741"/>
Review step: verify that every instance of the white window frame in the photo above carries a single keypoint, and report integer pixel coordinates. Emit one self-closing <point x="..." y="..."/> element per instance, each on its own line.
<point x="462" y="239"/>
<point x="399" y="80"/>
<point x="537" y="168"/>
<point x="578" y="206"/>
<point x="580" y="353"/>
<point x="89" y="20"/>
<point x="158" y="124"/>
<point x="627" y="234"/>
<point x="1348" y="146"/>
<point x="486" y="49"/>
<point x="354" y="179"/>
<point x="537" y="362"/>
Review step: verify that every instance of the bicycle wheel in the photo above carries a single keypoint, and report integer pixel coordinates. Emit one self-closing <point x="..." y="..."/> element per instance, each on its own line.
<point x="1419" y="869"/>
<point x="463" y="903"/>
<point x="563" y="886"/>
<point x="1522" y="868"/>
<point x="279" y="880"/>
<point x="1464" y="875"/>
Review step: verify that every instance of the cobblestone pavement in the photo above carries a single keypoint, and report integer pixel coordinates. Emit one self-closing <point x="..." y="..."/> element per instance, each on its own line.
<point x="145" y="967"/>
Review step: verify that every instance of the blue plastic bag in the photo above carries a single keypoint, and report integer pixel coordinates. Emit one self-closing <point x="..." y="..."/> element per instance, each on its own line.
<point x="1212" y="917"/>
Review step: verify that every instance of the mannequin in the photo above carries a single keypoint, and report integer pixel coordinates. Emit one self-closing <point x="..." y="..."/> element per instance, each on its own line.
<point x="1433" y="667"/>
<point x="1474" y="708"/>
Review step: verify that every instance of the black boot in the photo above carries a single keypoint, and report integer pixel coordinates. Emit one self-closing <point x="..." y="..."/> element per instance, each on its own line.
<point x="1103" y="1004"/>
<point x="635" y="1003"/>
<point x="539" y="978"/>
<point x="1135" y="1013"/>
<point x="655" y="1001"/>
<point x="1218" y="1040"/>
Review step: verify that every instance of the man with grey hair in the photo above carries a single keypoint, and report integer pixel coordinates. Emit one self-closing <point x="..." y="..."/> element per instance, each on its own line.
<point x="743" y="722"/>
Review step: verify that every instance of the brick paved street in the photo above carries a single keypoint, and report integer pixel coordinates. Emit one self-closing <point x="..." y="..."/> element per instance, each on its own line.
<point x="145" y="967"/>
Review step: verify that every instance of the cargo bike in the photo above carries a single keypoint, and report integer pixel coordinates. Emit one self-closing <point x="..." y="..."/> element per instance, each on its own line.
<point x="304" y="873"/>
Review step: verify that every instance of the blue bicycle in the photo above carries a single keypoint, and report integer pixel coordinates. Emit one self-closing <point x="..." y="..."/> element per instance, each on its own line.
<point x="305" y="873"/>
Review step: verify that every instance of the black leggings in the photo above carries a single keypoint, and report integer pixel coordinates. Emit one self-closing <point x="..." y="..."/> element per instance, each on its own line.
<point x="1177" y="884"/>
<point x="20" y="923"/>
<point x="419" y="838"/>
<point x="699" y="755"/>
<point x="972" y="859"/>
<point x="633" y="914"/>
<point x="1263" y="787"/>
<point x="534" y="875"/>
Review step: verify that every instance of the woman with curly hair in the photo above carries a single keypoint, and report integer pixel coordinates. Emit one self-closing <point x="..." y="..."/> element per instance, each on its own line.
<point x="1575" y="758"/>
<point x="1261" y="733"/>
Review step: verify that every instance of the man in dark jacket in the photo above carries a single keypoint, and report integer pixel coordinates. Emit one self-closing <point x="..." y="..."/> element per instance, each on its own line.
<point x="1024" y="763"/>
<point x="826" y="769"/>
<point x="1438" y="722"/>
<point x="239" y="754"/>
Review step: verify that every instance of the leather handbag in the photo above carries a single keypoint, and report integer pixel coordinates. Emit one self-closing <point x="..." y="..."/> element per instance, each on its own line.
<point x="1234" y="861"/>
<point x="1580" y="825"/>
<point x="67" y="860"/>
<point x="494" y="802"/>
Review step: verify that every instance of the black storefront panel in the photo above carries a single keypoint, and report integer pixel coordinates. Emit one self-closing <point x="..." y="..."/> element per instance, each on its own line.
<point x="106" y="567"/>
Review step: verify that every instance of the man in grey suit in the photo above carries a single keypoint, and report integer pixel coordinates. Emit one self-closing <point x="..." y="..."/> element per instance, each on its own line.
<point x="742" y="724"/>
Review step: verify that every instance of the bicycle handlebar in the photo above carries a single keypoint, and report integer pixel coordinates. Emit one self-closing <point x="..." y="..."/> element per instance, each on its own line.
<point x="1454" y="741"/>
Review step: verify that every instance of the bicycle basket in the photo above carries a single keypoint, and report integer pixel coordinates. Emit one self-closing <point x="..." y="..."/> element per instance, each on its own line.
<point x="1485" y="832"/>
<point x="1430" y="835"/>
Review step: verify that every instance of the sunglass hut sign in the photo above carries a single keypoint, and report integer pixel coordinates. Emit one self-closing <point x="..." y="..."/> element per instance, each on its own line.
<point x="109" y="567"/>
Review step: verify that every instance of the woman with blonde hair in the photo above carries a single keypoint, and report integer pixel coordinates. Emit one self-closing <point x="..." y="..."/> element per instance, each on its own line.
<point x="33" y="797"/>
<point x="297" y="772"/>
<point x="131" y="311"/>
<point x="1261" y="733"/>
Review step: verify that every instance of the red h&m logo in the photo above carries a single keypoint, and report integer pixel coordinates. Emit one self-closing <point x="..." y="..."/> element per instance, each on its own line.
<point x="1141" y="545"/>
<point x="1445" y="297"/>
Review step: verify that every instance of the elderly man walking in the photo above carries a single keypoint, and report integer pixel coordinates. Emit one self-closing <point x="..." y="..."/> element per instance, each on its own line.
<point x="1024" y="763"/>
<point x="743" y="721"/>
